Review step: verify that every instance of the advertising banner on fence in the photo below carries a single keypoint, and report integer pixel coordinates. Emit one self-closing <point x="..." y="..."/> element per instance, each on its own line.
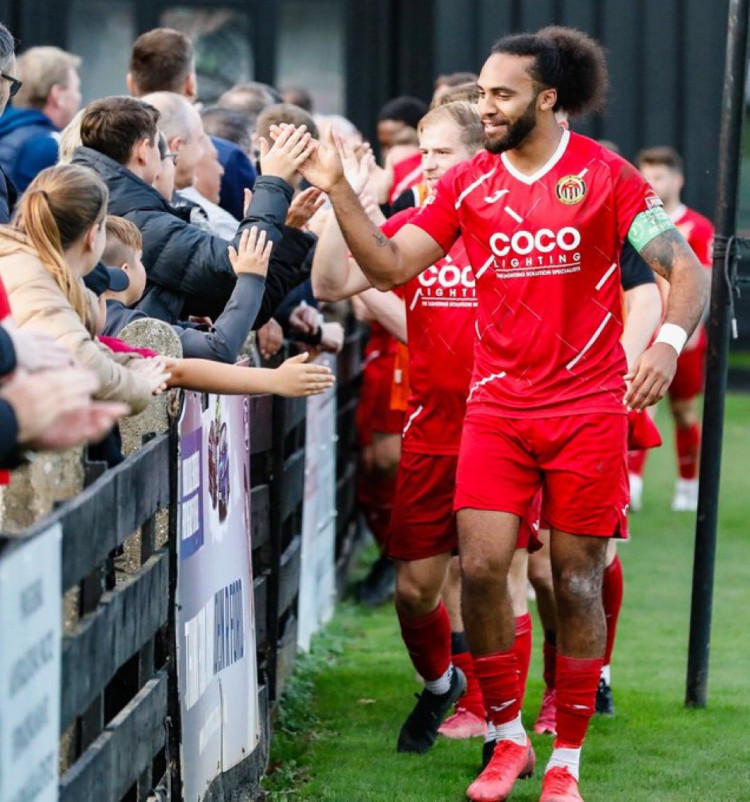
<point x="217" y="674"/>
<point x="317" y="588"/>
<point x="31" y="623"/>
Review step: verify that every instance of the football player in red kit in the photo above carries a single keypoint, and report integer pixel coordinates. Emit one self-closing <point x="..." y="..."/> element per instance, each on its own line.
<point x="440" y="308"/>
<point x="543" y="214"/>
<point x="662" y="168"/>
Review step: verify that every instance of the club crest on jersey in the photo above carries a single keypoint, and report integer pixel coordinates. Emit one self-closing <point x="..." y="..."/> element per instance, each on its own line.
<point x="570" y="189"/>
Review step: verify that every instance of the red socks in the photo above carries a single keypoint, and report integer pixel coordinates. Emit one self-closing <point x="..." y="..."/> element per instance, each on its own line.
<point x="499" y="680"/>
<point x="522" y="649"/>
<point x="612" y="589"/>
<point x="375" y="496"/>
<point x="637" y="461"/>
<point x="576" y="682"/>
<point x="688" y="442"/>
<point x="472" y="700"/>
<point x="428" y="641"/>
<point x="550" y="663"/>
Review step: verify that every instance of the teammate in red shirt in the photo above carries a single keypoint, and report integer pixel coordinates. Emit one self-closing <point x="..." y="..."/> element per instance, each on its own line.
<point x="662" y="168"/>
<point x="543" y="214"/>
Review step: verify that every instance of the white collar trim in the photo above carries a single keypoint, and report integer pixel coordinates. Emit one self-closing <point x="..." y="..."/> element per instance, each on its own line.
<point x="678" y="213"/>
<point x="542" y="171"/>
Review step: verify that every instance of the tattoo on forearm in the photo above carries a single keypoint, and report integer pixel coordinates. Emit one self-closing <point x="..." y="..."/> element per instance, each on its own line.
<point x="663" y="251"/>
<point x="380" y="239"/>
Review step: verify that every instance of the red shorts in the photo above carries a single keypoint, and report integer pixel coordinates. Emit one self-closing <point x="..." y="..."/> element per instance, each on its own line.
<point x="580" y="460"/>
<point x="423" y="522"/>
<point x="689" y="379"/>
<point x="374" y="413"/>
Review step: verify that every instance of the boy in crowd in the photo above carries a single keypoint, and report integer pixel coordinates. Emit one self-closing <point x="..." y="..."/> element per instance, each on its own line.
<point x="223" y="342"/>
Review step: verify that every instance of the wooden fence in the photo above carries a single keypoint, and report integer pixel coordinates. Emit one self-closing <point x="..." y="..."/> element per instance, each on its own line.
<point x="119" y="705"/>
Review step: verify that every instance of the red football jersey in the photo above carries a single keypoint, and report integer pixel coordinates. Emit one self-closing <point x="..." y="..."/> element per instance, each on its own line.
<point x="406" y="174"/>
<point x="697" y="230"/>
<point x="380" y="343"/>
<point x="545" y="249"/>
<point x="441" y="305"/>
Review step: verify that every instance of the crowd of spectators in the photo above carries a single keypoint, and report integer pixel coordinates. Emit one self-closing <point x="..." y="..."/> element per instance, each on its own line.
<point x="149" y="205"/>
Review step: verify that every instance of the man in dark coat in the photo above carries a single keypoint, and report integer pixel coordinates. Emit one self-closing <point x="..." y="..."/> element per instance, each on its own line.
<point x="188" y="270"/>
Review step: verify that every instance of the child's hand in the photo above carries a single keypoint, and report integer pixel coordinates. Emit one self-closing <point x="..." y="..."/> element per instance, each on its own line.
<point x="294" y="378"/>
<point x="304" y="206"/>
<point x="253" y="255"/>
<point x="291" y="148"/>
<point x="154" y="371"/>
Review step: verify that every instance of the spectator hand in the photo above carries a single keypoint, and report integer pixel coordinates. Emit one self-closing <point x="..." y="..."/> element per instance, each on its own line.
<point x="248" y="200"/>
<point x="253" y="254"/>
<point x="305" y="319"/>
<point x="332" y="339"/>
<point x="291" y="147"/>
<point x="649" y="378"/>
<point x="37" y="350"/>
<point x="322" y="166"/>
<point x="294" y="378"/>
<point x="270" y="339"/>
<point x="39" y="400"/>
<point x="154" y="371"/>
<point x="88" y="425"/>
<point x="357" y="165"/>
<point x="303" y="207"/>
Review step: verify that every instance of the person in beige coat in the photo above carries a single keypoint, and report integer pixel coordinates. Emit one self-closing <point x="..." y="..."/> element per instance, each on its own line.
<point x="56" y="237"/>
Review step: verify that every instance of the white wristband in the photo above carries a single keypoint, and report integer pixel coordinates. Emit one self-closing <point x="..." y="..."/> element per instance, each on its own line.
<point x="673" y="335"/>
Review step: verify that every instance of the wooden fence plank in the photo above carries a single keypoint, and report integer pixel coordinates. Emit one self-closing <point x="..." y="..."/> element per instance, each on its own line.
<point x="260" y="600"/>
<point x="126" y="618"/>
<point x="293" y="412"/>
<point x="111" y="509"/>
<point x="110" y="766"/>
<point x="292" y="484"/>
<point x="260" y="516"/>
<point x="289" y="572"/>
<point x="261" y="423"/>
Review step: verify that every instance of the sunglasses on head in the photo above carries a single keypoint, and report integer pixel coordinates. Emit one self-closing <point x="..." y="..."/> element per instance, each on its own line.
<point x="15" y="84"/>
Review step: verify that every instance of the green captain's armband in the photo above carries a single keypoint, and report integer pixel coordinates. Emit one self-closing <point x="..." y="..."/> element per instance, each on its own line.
<point x="647" y="225"/>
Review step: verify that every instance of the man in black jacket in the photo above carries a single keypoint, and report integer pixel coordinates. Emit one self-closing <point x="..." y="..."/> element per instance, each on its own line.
<point x="189" y="271"/>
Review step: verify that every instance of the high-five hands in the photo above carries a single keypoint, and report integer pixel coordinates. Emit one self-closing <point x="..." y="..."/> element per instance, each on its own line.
<point x="291" y="148"/>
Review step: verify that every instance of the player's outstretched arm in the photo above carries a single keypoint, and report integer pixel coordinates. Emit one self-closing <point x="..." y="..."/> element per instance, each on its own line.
<point x="388" y="309"/>
<point x="670" y="257"/>
<point x="387" y="263"/>
<point x="334" y="275"/>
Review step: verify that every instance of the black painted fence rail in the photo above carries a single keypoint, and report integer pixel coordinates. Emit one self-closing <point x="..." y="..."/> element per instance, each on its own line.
<point x="119" y="707"/>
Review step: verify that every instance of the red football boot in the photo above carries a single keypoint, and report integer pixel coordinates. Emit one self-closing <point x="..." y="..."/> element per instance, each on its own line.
<point x="463" y="724"/>
<point x="560" y="786"/>
<point x="509" y="762"/>
<point x="546" y="721"/>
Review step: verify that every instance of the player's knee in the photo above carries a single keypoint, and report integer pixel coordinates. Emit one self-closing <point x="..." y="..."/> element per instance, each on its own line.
<point x="540" y="573"/>
<point x="479" y="574"/>
<point x="415" y="598"/>
<point x="575" y="588"/>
